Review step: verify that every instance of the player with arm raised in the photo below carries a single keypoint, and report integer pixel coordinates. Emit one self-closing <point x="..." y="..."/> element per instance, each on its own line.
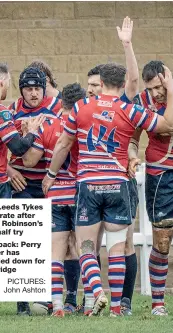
<point x="159" y="181"/>
<point x="131" y="88"/>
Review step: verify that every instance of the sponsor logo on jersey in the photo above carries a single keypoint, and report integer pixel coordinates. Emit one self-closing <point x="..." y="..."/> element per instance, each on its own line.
<point x="136" y="100"/>
<point x="5" y="115"/>
<point x="107" y="104"/>
<point x="139" y="108"/>
<point x="105" y="115"/>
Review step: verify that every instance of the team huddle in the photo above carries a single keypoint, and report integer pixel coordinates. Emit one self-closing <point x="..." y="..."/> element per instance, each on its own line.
<point x="80" y="148"/>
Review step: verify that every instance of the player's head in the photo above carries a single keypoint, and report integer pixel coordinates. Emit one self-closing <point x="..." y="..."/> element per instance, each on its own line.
<point x="46" y="70"/>
<point x="152" y="81"/>
<point x="72" y="93"/>
<point x="32" y="84"/>
<point x="94" y="84"/>
<point x="112" y="76"/>
<point x="4" y="80"/>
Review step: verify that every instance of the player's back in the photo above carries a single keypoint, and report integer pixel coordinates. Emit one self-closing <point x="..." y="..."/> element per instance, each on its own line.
<point x="64" y="188"/>
<point x="103" y="131"/>
<point x="49" y="133"/>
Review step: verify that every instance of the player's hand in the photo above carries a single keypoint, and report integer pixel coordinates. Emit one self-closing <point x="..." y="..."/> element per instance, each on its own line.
<point x="166" y="81"/>
<point x="17" y="180"/>
<point x="133" y="163"/>
<point x="46" y="184"/>
<point x="125" y="33"/>
<point x="33" y="124"/>
<point x="24" y="127"/>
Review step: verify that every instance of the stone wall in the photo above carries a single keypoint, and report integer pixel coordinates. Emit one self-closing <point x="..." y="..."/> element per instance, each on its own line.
<point x="74" y="36"/>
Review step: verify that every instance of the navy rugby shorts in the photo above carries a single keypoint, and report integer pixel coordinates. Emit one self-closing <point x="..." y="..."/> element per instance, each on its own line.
<point x="108" y="203"/>
<point x="63" y="218"/>
<point x="5" y="190"/>
<point x="133" y="196"/>
<point x="32" y="190"/>
<point x="159" y="196"/>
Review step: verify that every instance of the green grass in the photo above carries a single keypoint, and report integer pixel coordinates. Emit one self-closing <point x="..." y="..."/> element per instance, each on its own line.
<point x="140" y="322"/>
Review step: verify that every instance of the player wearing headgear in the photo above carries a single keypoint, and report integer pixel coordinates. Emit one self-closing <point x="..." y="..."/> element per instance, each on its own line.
<point x="51" y="85"/>
<point x="71" y="264"/>
<point x="32" y="84"/>
<point x="62" y="192"/>
<point x="159" y="181"/>
<point x="9" y="136"/>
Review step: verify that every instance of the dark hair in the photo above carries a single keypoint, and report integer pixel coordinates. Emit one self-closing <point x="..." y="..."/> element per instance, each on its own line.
<point x="3" y="68"/>
<point x="95" y="70"/>
<point x="32" y="77"/>
<point x="152" y="69"/>
<point x="71" y="93"/>
<point x="45" y="69"/>
<point x="113" y="75"/>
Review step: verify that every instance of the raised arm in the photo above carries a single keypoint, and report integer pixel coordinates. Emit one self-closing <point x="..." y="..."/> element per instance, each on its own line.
<point x="165" y="122"/>
<point x="125" y="35"/>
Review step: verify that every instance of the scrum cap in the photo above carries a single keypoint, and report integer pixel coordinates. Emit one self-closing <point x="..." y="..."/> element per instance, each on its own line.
<point x="32" y="77"/>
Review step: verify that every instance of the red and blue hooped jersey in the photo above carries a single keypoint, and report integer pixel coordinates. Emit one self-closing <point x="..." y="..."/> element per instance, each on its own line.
<point x="159" y="153"/>
<point x="64" y="188"/>
<point x="7" y="132"/>
<point x="50" y="106"/>
<point x="103" y="126"/>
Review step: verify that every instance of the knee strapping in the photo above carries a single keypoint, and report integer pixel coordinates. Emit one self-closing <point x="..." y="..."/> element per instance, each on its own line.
<point x="113" y="238"/>
<point x="162" y="238"/>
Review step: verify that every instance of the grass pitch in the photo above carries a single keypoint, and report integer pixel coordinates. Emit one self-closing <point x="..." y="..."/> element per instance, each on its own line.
<point x="140" y="322"/>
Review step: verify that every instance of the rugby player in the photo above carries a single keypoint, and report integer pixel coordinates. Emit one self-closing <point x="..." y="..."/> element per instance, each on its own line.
<point x="159" y="182"/>
<point x="71" y="264"/>
<point x="62" y="192"/>
<point x="131" y="89"/>
<point x="32" y="85"/>
<point x="9" y="136"/>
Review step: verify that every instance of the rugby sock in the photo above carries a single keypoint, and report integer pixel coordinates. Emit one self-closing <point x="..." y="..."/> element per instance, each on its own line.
<point x="57" y="284"/>
<point x="85" y="295"/>
<point x="89" y="296"/>
<point x="158" y="270"/>
<point x="116" y="274"/>
<point x="130" y="276"/>
<point x="99" y="261"/>
<point x="91" y="272"/>
<point x="72" y="276"/>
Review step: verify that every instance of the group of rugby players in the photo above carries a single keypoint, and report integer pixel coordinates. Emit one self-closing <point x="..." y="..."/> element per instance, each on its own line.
<point x="82" y="151"/>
